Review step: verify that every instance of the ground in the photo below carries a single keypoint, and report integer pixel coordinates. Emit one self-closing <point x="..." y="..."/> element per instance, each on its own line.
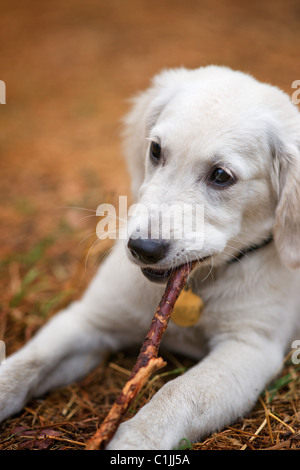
<point x="69" y="68"/>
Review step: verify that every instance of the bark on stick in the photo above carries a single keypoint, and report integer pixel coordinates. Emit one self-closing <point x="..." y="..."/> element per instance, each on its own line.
<point x="147" y="361"/>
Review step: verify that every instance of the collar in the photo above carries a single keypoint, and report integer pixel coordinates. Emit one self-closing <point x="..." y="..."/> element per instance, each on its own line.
<point x="251" y="249"/>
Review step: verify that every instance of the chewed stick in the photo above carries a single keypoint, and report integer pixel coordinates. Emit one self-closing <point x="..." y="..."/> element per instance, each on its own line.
<point x="147" y="361"/>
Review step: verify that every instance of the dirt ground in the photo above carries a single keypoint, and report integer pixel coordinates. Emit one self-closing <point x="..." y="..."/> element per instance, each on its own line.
<point x="69" y="68"/>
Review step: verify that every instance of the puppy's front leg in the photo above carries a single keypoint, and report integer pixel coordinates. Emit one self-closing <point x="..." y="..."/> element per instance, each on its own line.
<point x="109" y="316"/>
<point x="214" y="393"/>
<point x="57" y="355"/>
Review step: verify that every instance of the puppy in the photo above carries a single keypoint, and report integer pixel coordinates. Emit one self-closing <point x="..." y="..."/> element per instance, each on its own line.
<point x="221" y="140"/>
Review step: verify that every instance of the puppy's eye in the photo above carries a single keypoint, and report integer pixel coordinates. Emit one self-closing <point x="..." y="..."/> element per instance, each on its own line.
<point x="155" y="152"/>
<point x="220" y="177"/>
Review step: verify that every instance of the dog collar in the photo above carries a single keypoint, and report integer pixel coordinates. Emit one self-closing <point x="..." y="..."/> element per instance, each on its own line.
<point x="251" y="249"/>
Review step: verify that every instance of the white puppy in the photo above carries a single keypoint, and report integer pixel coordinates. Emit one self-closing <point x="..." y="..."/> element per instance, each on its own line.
<point x="220" y="139"/>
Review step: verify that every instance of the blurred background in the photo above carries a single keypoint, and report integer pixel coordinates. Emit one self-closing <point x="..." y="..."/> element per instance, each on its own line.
<point x="70" y="67"/>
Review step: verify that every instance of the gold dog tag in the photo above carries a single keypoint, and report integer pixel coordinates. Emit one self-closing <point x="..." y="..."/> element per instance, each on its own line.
<point x="188" y="308"/>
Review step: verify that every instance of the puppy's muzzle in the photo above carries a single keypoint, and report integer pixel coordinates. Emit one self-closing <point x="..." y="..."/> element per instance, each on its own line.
<point x="148" y="251"/>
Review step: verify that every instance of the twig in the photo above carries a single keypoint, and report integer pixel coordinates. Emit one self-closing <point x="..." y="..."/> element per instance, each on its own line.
<point x="268" y="419"/>
<point x="282" y="422"/>
<point x="256" y="433"/>
<point x="54" y="438"/>
<point x="147" y="361"/>
<point x="119" y="369"/>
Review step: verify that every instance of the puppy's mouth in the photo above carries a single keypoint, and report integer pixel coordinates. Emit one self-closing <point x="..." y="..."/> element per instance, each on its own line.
<point x="162" y="275"/>
<point x="157" y="275"/>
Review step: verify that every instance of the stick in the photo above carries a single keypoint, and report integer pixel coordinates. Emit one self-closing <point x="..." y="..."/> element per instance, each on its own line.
<point x="147" y="361"/>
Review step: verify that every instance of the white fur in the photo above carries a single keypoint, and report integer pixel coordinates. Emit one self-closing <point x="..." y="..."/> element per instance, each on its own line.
<point x="251" y="316"/>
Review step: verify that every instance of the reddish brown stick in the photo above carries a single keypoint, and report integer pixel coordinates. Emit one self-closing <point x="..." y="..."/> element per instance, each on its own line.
<point x="147" y="361"/>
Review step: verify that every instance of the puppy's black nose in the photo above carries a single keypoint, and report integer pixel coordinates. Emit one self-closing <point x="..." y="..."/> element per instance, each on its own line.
<point x="148" y="251"/>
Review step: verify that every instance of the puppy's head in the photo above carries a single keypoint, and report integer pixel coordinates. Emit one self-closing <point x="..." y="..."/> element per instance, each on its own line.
<point x="214" y="159"/>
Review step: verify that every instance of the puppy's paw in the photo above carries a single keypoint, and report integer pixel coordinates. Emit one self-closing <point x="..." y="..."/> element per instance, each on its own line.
<point x="16" y="380"/>
<point x="129" y="437"/>
<point x="156" y="426"/>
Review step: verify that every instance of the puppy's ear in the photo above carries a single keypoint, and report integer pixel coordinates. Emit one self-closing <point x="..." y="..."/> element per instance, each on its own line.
<point x="146" y="109"/>
<point x="287" y="215"/>
<point x="135" y="131"/>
